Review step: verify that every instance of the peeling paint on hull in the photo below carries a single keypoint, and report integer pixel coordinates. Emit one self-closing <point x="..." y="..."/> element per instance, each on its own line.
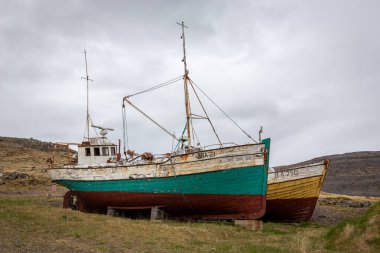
<point x="237" y="193"/>
<point x="224" y="183"/>
<point x="290" y="210"/>
<point x="189" y="206"/>
<point x="293" y="193"/>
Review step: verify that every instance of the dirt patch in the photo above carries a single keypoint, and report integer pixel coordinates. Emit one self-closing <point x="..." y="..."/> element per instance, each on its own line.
<point x="333" y="210"/>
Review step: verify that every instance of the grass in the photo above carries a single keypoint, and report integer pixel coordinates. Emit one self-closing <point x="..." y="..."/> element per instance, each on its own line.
<point x="37" y="224"/>
<point x="357" y="235"/>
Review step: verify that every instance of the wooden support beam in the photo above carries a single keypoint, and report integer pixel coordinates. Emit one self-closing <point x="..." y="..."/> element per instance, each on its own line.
<point x="157" y="214"/>
<point x="111" y="211"/>
<point x="255" y="225"/>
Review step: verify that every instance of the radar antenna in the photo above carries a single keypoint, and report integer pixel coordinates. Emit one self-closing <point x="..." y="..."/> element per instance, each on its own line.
<point x="103" y="130"/>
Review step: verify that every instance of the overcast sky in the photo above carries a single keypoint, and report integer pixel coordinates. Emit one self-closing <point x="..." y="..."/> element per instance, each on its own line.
<point x="307" y="71"/>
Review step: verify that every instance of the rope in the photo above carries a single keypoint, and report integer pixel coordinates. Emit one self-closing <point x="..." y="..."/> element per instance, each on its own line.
<point x="181" y="138"/>
<point x="143" y="113"/>
<point x="157" y="86"/>
<point x="195" y="134"/>
<point x="207" y="117"/>
<point x="92" y="123"/>
<point x="180" y="188"/>
<point x="225" y="114"/>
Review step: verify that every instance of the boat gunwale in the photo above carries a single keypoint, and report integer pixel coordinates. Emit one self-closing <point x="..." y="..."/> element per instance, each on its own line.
<point x="175" y="176"/>
<point x="152" y="164"/>
<point x="281" y="182"/>
<point x="326" y="164"/>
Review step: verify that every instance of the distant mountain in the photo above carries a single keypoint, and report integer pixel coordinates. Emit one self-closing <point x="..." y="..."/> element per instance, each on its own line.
<point x="356" y="173"/>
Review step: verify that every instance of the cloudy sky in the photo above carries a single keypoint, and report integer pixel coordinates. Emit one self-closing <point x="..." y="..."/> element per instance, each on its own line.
<point x="307" y="71"/>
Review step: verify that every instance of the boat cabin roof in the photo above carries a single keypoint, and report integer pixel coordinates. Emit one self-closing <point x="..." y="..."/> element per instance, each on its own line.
<point x="99" y="141"/>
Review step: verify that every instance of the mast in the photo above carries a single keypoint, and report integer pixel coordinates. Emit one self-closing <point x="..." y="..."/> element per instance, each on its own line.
<point x="87" y="78"/>
<point x="186" y="78"/>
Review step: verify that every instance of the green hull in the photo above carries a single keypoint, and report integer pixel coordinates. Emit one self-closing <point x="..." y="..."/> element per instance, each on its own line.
<point x="247" y="180"/>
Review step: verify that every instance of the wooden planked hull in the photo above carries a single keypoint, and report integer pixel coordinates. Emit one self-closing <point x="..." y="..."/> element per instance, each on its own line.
<point x="226" y="194"/>
<point x="290" y="210"/>
<point x="293" y="193"/>
<point x="194" y="186"/>
<point x="182" y="206"/>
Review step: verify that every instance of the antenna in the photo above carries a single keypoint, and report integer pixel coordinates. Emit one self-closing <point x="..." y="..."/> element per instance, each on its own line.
<point x="186" y="78"/>
<point x="103" y="130"/>
<point x="87" y="78"/>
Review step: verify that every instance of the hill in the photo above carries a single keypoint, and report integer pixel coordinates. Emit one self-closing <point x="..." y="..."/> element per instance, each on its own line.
<point x="22" y="158"/>
<point x="356" y="173"/>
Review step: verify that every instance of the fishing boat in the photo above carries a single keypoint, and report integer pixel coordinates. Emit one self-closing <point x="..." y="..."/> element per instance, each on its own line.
<point x="293" y="192"/>
<point x="226" y="181"/>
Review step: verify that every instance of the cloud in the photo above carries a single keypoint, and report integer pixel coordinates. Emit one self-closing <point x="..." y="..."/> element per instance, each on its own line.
<point x="307" y="72"/>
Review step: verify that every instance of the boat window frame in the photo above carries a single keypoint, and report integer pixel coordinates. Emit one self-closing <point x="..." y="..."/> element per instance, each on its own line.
<point x="113" y="151"/>
<point x="107" y="153"/>
<point x="87" y="151"/>
<point x="96" y="151"/>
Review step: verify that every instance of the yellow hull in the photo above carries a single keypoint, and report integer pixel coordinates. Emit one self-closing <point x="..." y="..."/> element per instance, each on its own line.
<point x="304" y="186"/>
<point x="300" y="188"/>
<point x="293" y="193"/>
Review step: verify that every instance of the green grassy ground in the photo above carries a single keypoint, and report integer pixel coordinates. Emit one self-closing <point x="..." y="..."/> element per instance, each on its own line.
<point x="361" y="234"/>
<point x="39" y="224"/>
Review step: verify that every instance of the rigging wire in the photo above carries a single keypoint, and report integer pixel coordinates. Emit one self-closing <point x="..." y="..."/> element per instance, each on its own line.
<point x="196" y="136"/>
<point x="207" y="117"/>
<point x="178" y="142"/>
<point x="92" y="123"/>
<point x="157" y="86"/>
<point x="225" y="114"/>
<point x="125" y="127"/>
<point x="143" y="113"/>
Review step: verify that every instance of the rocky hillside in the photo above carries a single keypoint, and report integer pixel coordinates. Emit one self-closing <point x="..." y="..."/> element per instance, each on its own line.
<point x="356" y="173"/>
<point x="22" y="158"/>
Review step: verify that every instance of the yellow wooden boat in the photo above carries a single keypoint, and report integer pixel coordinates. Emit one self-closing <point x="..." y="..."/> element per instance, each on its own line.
<point x="293" y="192"/>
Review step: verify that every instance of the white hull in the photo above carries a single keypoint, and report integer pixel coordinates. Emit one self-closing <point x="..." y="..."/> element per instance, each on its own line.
<point x="197" y="162"/>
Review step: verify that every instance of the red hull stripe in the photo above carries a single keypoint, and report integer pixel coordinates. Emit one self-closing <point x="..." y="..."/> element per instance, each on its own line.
<point x="290" y="210"/>
<point x="195" y="206"/>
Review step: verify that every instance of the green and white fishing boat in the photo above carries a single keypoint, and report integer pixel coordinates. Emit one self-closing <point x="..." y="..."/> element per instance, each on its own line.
<point x="225" y="182"/>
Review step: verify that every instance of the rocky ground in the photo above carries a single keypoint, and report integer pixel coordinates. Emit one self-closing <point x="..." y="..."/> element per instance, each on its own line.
<point x="334" y="208"/>
<point x="20" y="157"/>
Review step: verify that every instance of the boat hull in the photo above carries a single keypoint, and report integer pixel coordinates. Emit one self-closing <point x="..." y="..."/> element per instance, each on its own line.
<point x="293" y="193"/>
<point x="203" y="185"/>
<point x="290" y="210"/>
<point x="237" y="193"/>
<point x="178" y="206"/>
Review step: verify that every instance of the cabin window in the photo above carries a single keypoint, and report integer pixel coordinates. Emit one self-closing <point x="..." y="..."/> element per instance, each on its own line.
<point x="113" y="152"/>
<point x="88" y="151"/>
<point x="105" y="151"/>
<point x="96" y="151"/>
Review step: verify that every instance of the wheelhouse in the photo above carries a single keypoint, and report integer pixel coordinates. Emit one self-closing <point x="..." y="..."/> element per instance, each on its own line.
<point x="97" y="151"/>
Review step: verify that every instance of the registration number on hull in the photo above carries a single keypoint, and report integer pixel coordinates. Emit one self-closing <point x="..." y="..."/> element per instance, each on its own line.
<point x="201" y="155"/>
<point x="286" y="173"/>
